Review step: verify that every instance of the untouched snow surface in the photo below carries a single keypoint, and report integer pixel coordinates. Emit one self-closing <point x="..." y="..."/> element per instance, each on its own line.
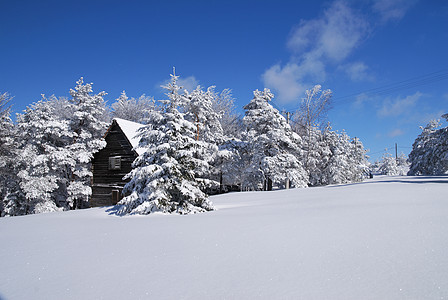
<point x="386" y="238"/>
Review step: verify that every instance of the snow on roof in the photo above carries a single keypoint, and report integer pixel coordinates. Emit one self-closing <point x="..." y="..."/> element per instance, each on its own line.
<point x="130" y="130"/>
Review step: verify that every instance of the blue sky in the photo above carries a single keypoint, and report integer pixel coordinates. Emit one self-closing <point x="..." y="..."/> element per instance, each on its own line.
<point x="385" y="60"/>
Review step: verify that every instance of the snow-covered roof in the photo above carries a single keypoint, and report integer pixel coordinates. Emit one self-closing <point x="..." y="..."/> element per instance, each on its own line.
<point x="130" y="130"/>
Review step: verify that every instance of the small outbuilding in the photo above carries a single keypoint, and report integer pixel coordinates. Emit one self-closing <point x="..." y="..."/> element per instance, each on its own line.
<point x="113" y="162"/>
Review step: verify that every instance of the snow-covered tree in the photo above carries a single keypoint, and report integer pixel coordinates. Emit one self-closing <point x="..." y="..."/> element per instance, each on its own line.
<point x="231" y="122"/>
<point x="43" y="158"/>
<point x="429" y="155"/>
<point x="6" y="132"/>
<point x="89" y="124"/>
<point x="132" y="109"/>
<point x="335" y="158"/>
<point x="332" y="165"/>
<point x="313" y="108"/>
<point x="163" y="178"/>
<point x="8" y="178"/>
<point x="62" y="108"/>
<point x="274" y="149"/>
<point x="199" y="110"/>
<point x="308" y="122"/>
<point x="388" y="165"/>
<point x="359" y="164"/>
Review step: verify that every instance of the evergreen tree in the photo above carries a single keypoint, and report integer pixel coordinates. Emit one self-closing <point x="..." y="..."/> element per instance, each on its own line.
<point x="335" y="165"/>
<point x="163" y="178"/>
<point x="429" y="155"/>
<point x="9" y="192"/>
<point x="43" y="158"/>
<point x="274" y="149"/>
<point x="388" y="165"/>
<point x="132" y="109"/>
<point x="199" y="110"/>
<point x="89" y="123"/>
<point x="358" y="160"/>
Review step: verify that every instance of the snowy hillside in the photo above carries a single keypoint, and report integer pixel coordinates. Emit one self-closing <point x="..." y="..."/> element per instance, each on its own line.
<point x="386" y="238"/>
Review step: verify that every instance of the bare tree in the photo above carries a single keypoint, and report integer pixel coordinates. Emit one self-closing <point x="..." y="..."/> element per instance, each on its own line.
<point x="310" y="120"/>
<point x="313" y="109"/>
<point x="5" y="99"/>
<point x="231" y="121"/>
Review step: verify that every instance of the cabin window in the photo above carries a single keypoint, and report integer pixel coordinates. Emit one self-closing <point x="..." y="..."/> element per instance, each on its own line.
<point x="115" y="163"/>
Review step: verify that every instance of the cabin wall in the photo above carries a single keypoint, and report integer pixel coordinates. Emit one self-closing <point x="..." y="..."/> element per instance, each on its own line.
<point x="106" y="182"/>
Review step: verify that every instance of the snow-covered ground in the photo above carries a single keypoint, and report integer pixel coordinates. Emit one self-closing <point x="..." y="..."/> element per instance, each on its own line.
<point x="386" y="238"/>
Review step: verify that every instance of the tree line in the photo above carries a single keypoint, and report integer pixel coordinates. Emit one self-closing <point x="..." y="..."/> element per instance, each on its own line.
<point x="195" y="144"/>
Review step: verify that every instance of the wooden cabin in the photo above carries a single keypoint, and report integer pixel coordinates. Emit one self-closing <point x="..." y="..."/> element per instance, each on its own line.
<point x="112" y="163"/>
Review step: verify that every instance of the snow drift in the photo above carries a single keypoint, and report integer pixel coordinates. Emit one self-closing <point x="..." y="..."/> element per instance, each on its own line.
<point x="385" y="238"/>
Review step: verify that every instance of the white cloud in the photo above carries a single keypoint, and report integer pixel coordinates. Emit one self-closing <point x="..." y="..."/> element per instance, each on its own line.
<point x="189" y="83"/>
<point x="398" y="106"/>
<point x="357" y="71"/>
<point x="395" y="133"/>
<point x="285" y="82"/>
<point x="392" y="9"/>
<point x="315" y="43"/>
<point x="333" y="36"/>
<point x="360" y="100"/>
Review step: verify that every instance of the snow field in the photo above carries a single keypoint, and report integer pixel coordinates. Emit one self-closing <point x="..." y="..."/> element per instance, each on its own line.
<point x="386" y="238"/>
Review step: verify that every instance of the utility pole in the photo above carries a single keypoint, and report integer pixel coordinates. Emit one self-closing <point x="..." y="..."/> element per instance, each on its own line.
<point x="396" y="152"/>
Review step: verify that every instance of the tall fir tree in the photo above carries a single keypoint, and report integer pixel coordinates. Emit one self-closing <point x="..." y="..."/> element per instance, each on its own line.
<point x="274" y="149"/>
<point x="89" y="123"/>
<point x="199" y="110"/>
<point x="163" y="177"/>
<point x="10" y="195"/>
<point x="43" y="158"/>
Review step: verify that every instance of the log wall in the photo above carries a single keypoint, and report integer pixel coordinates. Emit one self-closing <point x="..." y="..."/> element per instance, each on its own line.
<point x="106" y="182"/>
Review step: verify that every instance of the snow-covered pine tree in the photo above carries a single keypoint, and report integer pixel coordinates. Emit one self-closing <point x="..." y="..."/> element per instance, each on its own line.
<point x="333" y="159"/>
<point x="163" y="177"/>
<point x="429" y="155"/>
<point x="388" y="165"/>
<point x="132" y="109"/>
<point x="274" y="149"/>
<point x="9" y="191"/>
<point x="89" y="122"/>
<point x="316" y="155"/>
<point x="358" y="160"/>
<point x="43" y="158"/>
<point x="198" y="108"/>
